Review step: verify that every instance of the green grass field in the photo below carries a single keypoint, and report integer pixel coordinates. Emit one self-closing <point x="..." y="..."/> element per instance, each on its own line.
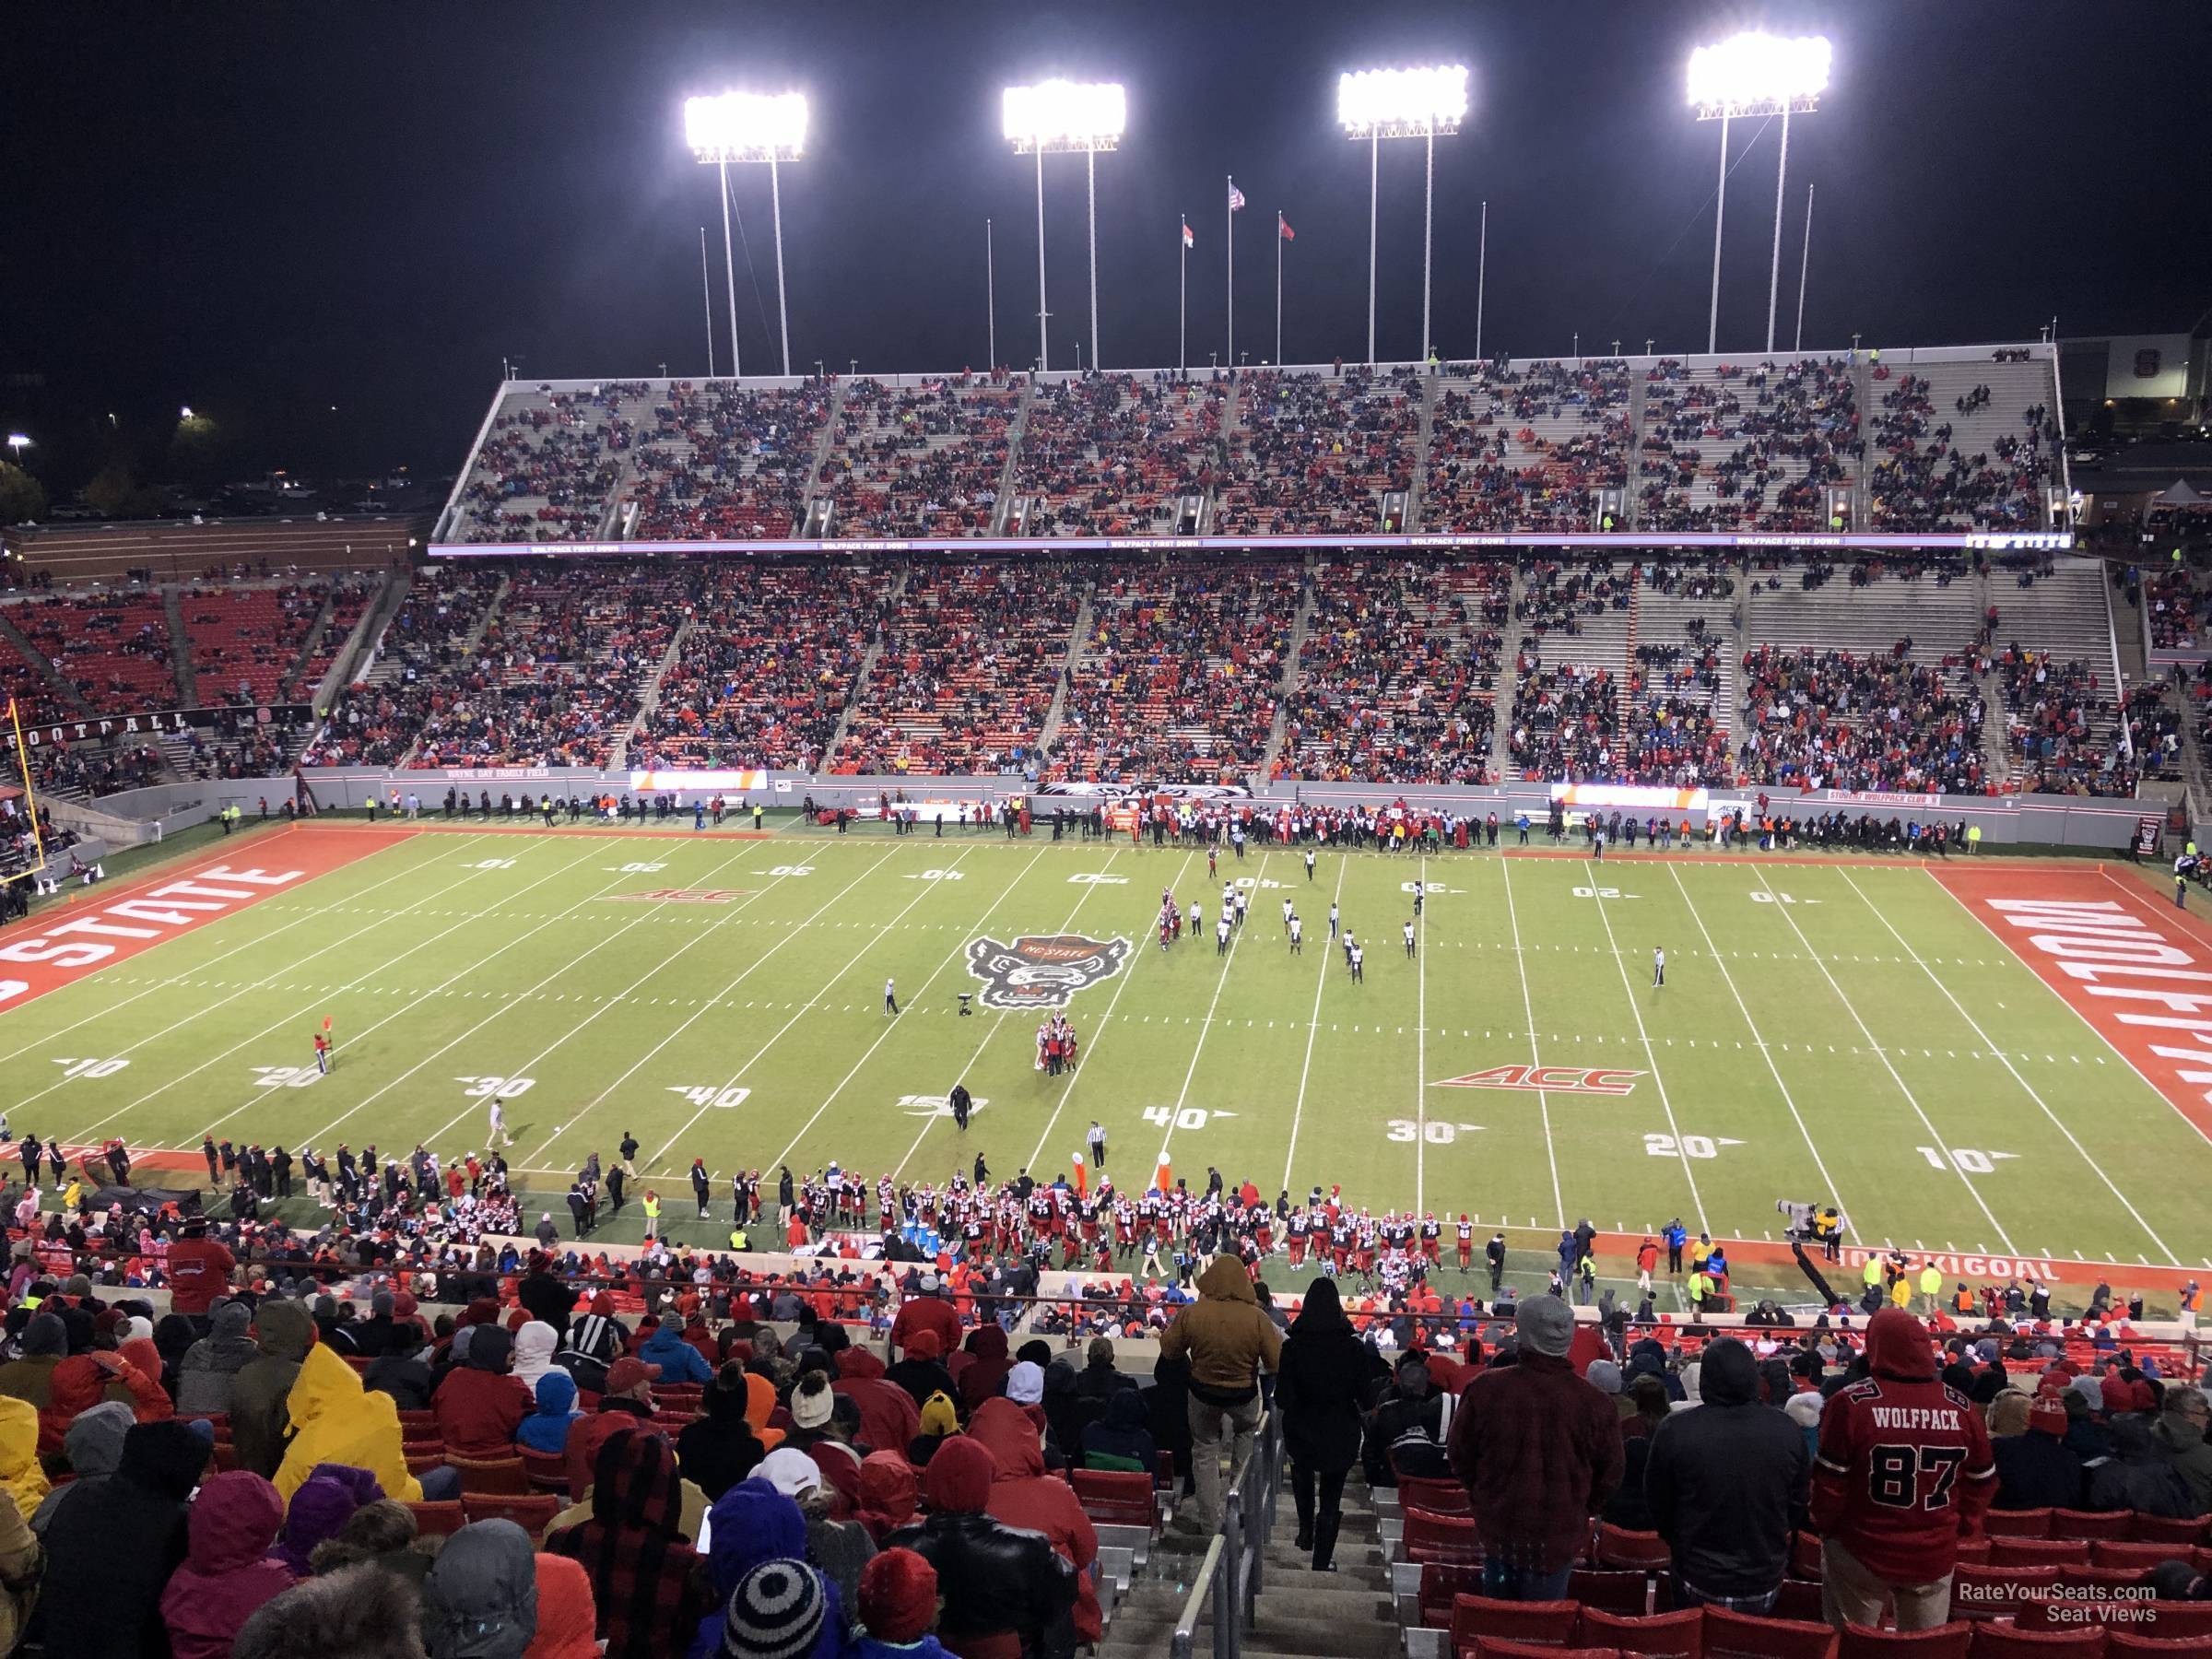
<point x="1830" y="1028"/>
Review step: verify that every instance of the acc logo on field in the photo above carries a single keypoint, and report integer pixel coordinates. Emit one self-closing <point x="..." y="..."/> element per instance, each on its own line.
<point x="1551" y="1080"/>
<point x="1042" y="971"/>
<point x="682" y="896"/>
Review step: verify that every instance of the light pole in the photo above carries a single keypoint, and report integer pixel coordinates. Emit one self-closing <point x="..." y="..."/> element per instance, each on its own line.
<point x="750" y="126"/>
<point x="19" y="442"/>
<point x="1066" y="115"/>
<point x="1376" y="105"/>
<point x="1755" y="75"/>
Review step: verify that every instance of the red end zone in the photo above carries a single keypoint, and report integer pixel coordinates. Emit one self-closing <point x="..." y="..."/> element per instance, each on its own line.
<point x="97" y="928"/>
<point x="2140" y="973"/>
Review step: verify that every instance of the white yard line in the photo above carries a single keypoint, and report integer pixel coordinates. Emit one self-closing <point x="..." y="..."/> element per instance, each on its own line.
<point x="1220" y="985"/>
<point x="715" y="1001"/>
<point x="805" y="1008"/>
<point x="2006" y="1061"/>
<point x="1766" y="1053"/>
<point x="1421" y="1045"/>
<point x="1320" y="982"/>
<point x="529" y="1065"/>
<point x="508" y="1004"/>
<point x="1099" y="1036"/>
<point x="252" y="943"/>
<point x="305" y="1012"/>
<point x="1528" y="1012"/>
<point x="1591" y="874"/>
<point x="1912" y="1100"/>
<point x="958" y="953"/>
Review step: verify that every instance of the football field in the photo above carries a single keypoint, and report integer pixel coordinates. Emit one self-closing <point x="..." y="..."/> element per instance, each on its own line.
<point x="1831" y="1028"/>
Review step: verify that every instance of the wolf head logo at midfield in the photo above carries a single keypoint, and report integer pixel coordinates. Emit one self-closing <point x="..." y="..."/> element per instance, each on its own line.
<point x="1042" y="971"/>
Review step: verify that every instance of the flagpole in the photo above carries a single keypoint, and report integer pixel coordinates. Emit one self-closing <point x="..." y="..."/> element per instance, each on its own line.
<point x="1482" y="271"/>
<point x="990" y="298"/>
<point x="1278" y="287"/>
<point x="1182" y="298"/>
<point x="1232" y="217"/>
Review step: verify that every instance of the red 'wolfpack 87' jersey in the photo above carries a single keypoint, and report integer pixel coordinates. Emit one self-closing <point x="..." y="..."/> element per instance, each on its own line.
<point x="1904" y="1470"/>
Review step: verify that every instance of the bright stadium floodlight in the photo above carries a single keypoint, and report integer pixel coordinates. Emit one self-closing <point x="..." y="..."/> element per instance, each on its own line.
<point x="1376" y="105"/>
<point x="1057" y="115"/>
<point x="1755" y="75"/>
<point x="750" y="126"/>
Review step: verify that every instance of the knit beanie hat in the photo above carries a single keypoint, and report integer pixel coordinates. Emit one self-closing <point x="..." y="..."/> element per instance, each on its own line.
<point x="1603" y="1376"/>
<point x="811" y="1402"/>
<point x="939" y="1415"/>
<point x="1545" y="1326"/>
<point x="898" y="1598"/>
<point x="1024" y="1383"/>
<point x="776" y="1612"/>
<point x="2048" y="1414"/>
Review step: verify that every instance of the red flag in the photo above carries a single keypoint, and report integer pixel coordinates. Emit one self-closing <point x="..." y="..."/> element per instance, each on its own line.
<point x="326" y="1022"/>
<point x="1188" y="240"/>
<point x="1282" y="225"/>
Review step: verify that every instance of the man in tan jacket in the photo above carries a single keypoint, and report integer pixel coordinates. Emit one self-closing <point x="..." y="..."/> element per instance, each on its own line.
<point x="1229" y="1340"/>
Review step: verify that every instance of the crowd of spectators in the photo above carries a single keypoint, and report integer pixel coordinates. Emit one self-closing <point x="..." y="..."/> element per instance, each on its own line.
<point x="920" y="461"/>
<point x="546" y="470"/>
<point x="114" y="649"/>
<point x="1397" y="682"/>
<point x="1759" y="444"/>
<point x="2060" y="727"/>
<point x="1675" y="734"/>
<point x="430" y="640"/>
<point x="972" y="657"/>
<point x="1491" y="466"/>
<point x="2176" y="597"/>
<point x="1180" y="678"/>
<point x="720" y="460"/>
<point x="1841" y="720"/>
<point x="246" y="641"/>
<point x="1566" y="720"/>
<point x="768" y="668"/>
<point x="1918" y="479"/>
<point x="1314" y="454"/>
<point x="1560" y="598"/>
<point x="92" y="768"/>
<point x="1111" y="454"/>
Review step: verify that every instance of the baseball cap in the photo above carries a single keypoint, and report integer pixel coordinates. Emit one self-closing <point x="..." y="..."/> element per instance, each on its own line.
<point x="626" y="1373"/>
<point x="790" y="1471"/>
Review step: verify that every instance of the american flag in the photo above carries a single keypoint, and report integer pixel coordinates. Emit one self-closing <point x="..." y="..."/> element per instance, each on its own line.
<point x="1188" y="240"/>
<point x="1236" y="198"/>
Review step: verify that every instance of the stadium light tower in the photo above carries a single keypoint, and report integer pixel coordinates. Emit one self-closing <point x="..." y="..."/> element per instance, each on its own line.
<point x="1755" y="75"/>
<point x="1066" y="115"/>
<point x="750" y="126"/>
<point x="1376" y="105"/>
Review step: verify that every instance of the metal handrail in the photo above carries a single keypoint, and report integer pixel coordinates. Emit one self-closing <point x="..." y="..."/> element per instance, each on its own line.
<point x="1234" y="1560"/>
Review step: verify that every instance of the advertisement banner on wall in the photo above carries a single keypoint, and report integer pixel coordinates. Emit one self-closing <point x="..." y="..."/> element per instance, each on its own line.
<point x="710" y="780"/>
<point x="1641" y="798"/>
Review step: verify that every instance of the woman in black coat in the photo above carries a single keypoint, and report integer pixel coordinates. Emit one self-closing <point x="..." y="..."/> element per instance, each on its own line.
<point x="1325" y="1380"/>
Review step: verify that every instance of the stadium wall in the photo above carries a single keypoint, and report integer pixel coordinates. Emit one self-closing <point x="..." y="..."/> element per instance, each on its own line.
<point x="2085" y="823"/>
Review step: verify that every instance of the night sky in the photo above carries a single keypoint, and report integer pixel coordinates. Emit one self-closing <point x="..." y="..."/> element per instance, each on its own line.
<point x="266" y="210"/>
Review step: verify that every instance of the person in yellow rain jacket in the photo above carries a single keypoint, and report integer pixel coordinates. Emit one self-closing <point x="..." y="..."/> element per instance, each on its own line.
<point x="1931" y="1284"/>
<point x="21" y="1474"/>
<point x="652" y="1215"/>
<point x="1901" y="1293"/>
<point x="336" y="1420"/>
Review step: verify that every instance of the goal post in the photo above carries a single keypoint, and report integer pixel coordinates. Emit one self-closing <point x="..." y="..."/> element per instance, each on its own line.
<point x="22" y="841"/>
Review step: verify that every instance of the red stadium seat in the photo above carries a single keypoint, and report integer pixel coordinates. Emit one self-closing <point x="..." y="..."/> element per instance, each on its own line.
<point x="2008" y="1642"/>
<point x="1944" y="1642"/>
<point x="1627" y="1594"/>
<point x="1491" y="1647"/>
<point x="548" y="1471"/>
<point x="1472" y="1616"/>
<point x="491" y="1477"/>
<point x="1804" y="1556"/>
<point x="438" y="1519"/>
<point x="1800" y="1599"/>
<point x="1440" y="1586"/>
<point x="533" y="1512"/>
<point x="1116" y="1497"/>
<point x="1447" y="1539"/>
<point x="2018" y="1523"/>
<point x="1741" y="1636"/>
<point x="1619" y="1548"/>
<point x="2119" y="1643"/>
<point x="2090" y="1524"/>
<point x="1657" y="1635"/>
<point x="2161" y="1529"/>
<point x="2038" y="1552"/>
<point x="2140" y="1558"/>
<point x="1438" y="1497"/>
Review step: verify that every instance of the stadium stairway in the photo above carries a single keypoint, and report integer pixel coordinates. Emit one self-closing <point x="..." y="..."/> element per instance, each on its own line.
<point x="1279" y="732"/>
<point x="1078" y="640"/>
<point x="1501" y="728"/>
<point x="649" y="695"/>
<point x="64" y="694"/>
<point x="180" y="650"/>
<point x="1632" y="498"/>
<point x="1016" y="431"/>
<point x="866" y="672"/>
<point x="1347" y="1614"/>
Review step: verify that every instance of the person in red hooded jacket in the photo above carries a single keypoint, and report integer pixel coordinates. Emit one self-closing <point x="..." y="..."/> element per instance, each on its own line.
<point x="1903" y="1475"/>
<point x="889" y="1416"/>
<point x="480" y="1404"/>
<point x="1024" y="1495"/>
<point x="199" y="1271"/>
<point x="228" y="1571"/>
